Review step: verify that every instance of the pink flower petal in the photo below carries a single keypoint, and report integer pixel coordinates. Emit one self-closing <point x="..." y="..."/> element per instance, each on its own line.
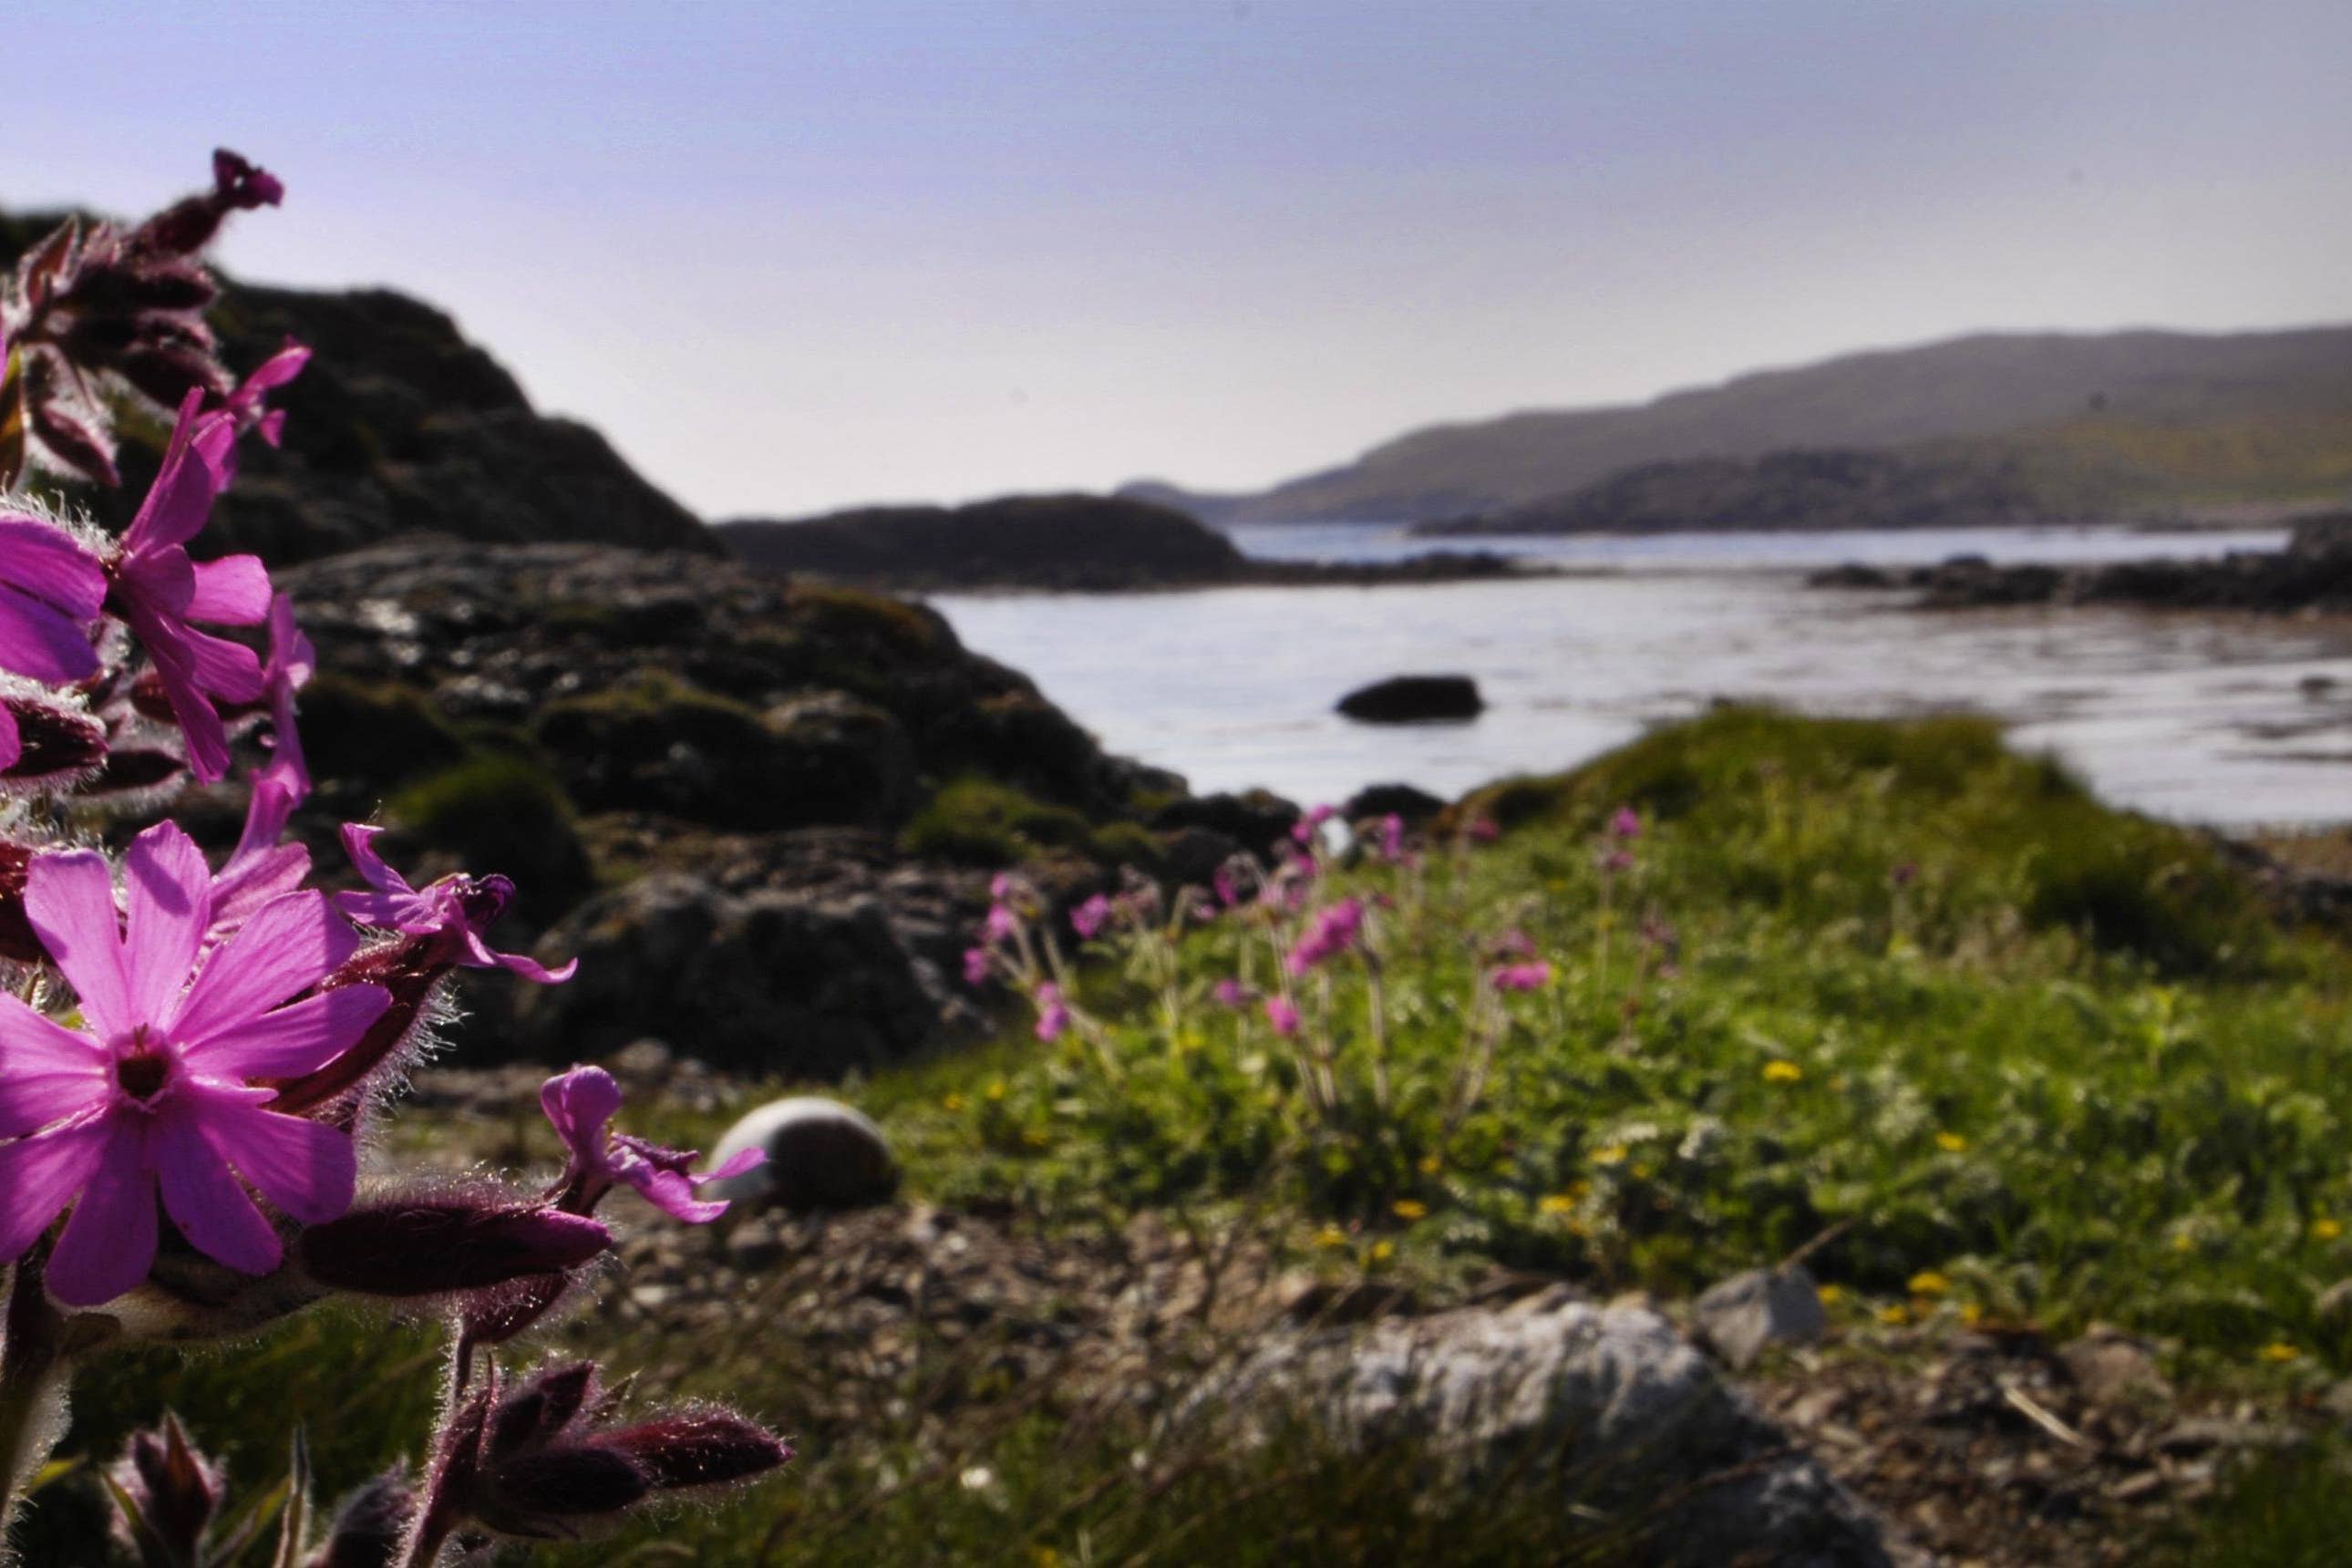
<point x="301" y="1038"/>
<point x="69" y="899"/>
<point x="288" y="946"/>
<point x="41" y="1174"/>
<point x="233" y="591"/>
<point x="580" y="1103"/>
<point x="110" y="1243"/>
<point x="51" y="1072"/>
<point x="205" y="1201"/>
<point x="306" y="1168"/>
<point x="170" y="889"/>
<point x="38" y="642"/>
<point x="45" y="562"/>
<point x="176" y="509"/>
<point x="359" y="843"/>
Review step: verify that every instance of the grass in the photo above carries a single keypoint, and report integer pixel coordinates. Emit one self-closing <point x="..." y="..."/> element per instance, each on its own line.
<point x="2018" y="1055"/>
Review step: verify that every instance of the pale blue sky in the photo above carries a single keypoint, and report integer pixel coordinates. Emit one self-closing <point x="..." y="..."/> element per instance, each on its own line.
<point x="796" y="255"/>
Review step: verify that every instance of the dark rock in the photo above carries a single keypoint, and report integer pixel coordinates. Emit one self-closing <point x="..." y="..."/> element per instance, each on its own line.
<point x="773" y="981"/>
<point x="1401" y="800"/>
<point x="1415" y="699"/>
<point x="1608" y="1403"/>
<point x="1852" y="574"/>
<point x="822" y="1155"/>
<point x="1257" y="820"/>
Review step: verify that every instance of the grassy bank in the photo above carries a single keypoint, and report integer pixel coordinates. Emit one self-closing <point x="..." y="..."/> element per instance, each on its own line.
<point x="1993" y="1051"/>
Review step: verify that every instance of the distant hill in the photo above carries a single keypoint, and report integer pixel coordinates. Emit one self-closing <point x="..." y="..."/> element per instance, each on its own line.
<point x="2136" y="419"/>
<point x="1834" y="488"/>
<point x="399" y="425"/>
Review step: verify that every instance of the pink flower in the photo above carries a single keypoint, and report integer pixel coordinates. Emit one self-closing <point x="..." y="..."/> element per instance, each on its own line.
<point x="1000" y="925"/>
<point x="293" y="662"/>
<point x="1626" y="824"/>
<point x="1335" y="930"/>
<point x="1304" y="831"/>
<point x="1231" y="993"/>
<point x="155" y="1093"/>
<point x="1514" y="943"/>
<point x="1485" y="830"/>
<point x="1089" y="917"/>
<point x="260" y="868"/>
<point x="1227" y="885"/>
<point x="1053" y="1013"/>
<point x="580" y="1104"/>
<point x="976" y="966"/>
<point x="51" y="589"/>
<point x="1282" y="1013"/>
<point x="1389" y="843"/>
<point x="160" y="593"/>
<point x="458" y="908"/>
<point x="244" y="405"/>
<point x="1533" y="975"/>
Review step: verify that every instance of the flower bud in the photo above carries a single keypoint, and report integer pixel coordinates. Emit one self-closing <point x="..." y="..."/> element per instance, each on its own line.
<point x="697" y="1448"/>
<point x="439" y="1246"/>
<point x="368" y="1526"/>
<point x="18" y="944"/>
<point x="55" y="740"/>
<point x="169" y="1494"/>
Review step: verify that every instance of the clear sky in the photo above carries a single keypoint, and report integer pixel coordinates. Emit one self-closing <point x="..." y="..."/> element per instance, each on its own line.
<point x="795" y="256"/>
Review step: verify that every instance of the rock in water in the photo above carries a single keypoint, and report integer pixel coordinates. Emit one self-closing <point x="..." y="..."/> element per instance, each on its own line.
<point x="1607" y="1405"/>
<point x="822" y="1155"/>
<point x="1415" y="699"/>
<point x="1737" y="1318"/>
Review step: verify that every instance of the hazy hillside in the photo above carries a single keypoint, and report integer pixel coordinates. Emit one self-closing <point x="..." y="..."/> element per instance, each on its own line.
<point x="2142" y="415"/>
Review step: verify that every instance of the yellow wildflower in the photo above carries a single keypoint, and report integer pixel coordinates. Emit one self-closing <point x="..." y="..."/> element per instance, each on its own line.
<point x="1831" y="1294"/>
<point x="1381" y="1251"/>
<point x="2184" y="1242"/>
<point x="1555" y="1204"/>
<point x="996" y="1089"/>
<point x="1971" y="1314"/>
<point x="1951" y="1143"/>
<point x="1408" y="1208"/>
<point x="1431" y="1165"/>
<point x="952" y="1102"/>
<point x="1612" y="1155"/>
<point x="1894" y="1316"/>
<point x="1782" y="1072"/>
<point x="2326" y="1229"/>
<point x="1928" y="1282"/>
<point x="1330" y="1236"/>
<point x="2279" y="1351"/>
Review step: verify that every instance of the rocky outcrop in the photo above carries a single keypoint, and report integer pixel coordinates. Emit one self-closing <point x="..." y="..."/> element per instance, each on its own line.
<point x="398" y="425"/>
<point x="715" y="785"/>
<point x="2314" y="574"/>
<point x="1072" y="543"/>
<point x="1607" y="1405"/>
<point x="1415" y="699"/>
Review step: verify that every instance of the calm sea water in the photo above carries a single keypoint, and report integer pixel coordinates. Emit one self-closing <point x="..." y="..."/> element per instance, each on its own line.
<point x="2236" y="721"/>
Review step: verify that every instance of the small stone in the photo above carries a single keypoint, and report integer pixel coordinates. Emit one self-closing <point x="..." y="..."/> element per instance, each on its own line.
<point x="754" y="1246"/>
<point x="644" y="1064"/>
<point x="2113" y="1368"/>
<point x="822" y="1155"/>
<point x="1744" y="1314"/>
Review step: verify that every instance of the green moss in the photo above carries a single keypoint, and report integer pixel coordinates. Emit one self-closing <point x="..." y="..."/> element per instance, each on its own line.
<point x="373" y="732"/>
<point x="980" y="822"/>
<point x="501" y="812"/>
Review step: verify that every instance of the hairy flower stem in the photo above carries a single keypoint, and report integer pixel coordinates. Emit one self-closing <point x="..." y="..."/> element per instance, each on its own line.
<point x="33" y="1372"/>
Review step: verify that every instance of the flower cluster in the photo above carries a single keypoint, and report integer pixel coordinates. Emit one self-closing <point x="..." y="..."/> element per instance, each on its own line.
<point x="193" y="1054"/>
